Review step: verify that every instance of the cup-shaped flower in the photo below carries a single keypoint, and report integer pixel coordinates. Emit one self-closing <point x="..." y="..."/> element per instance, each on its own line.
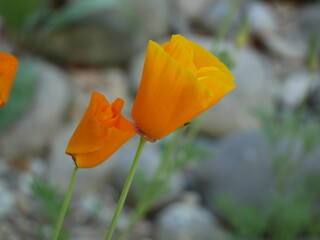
<point x="100" y="133"/>
<point x="180" y="80"/>
<point x="8" y="69"/>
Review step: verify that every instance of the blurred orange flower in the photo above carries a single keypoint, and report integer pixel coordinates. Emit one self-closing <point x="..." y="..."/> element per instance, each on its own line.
<point x="8" y="68"/>
<point x="101" y="132"/>
<point x="180" y="80"/>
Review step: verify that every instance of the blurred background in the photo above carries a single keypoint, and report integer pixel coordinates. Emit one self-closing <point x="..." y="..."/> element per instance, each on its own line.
<point x="247" y="169"/>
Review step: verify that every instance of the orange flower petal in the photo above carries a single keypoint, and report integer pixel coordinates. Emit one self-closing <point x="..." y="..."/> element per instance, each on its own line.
<point x="100" y="133"/>
<point x="218" y="88"/>
<point x="182" y="52"/>
<point x="167" y="92"/>
<point x="8" y="68"/>
<point x="180" y="80"/>
<point x="113" y="141"/>
<point x="217" y="81"/>
<point x="203" y="58"/>
<point x="87" y="137"/>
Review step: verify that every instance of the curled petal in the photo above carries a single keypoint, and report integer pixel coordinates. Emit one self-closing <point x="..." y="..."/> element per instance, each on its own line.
<point x="101" y="132"/>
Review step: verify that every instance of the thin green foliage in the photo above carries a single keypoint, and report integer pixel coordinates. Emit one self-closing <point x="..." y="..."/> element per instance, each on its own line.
<point x="16" y="13"/>
<point x="291" y="139"/>
<point x="246" y="222"/>
<point x="291" y="212"/>
<point x="242" y="37"/>
<point x="222" y="54"/>
<point x="313" y="56"/>
<point x="50" y="202"/>
<point x="287" y="217"/>
<point x="226" y="23"/>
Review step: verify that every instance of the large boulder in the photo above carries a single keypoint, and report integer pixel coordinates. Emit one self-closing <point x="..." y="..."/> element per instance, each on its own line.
<point x="245" y="169"/>
<point x="37" y="122"/>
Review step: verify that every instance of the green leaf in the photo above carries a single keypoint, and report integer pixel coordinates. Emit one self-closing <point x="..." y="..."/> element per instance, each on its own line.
<point x="247" y="222"/>
<point x="291" y="215"/>
<point x="15" y="13"/>
<point x="226" y="58"/>
<point x="313" y="56"/>
<point x="50" y="199"/>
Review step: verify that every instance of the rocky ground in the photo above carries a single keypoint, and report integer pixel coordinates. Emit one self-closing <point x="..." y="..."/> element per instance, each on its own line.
<point x="105" y="52"/>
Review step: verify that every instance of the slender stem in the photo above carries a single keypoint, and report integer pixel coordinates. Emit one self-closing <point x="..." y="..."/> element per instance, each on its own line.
<point x="148" y="198"/>
<point x="65" y="205"/>
<point x="226" y="23"/>
<point x="125" y="189"/>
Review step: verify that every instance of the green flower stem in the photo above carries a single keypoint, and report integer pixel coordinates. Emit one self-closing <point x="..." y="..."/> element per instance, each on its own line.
<point x="147" y="199"/>
<point x="65" y="205"/>
<point x="125" y="189"/>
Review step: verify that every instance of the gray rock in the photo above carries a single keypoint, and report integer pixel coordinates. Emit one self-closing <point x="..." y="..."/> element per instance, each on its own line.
<point x="85" y="233"/>
<point x="136" y="69"/>
<point x="153" y="17"/>
<point x="111" y="82"/>
<point x="8" y="232"/>
<point x="61" y="167"/>
<point x="308" y="18"/>
<point x="148" y="163"/>
<point x="179" y="23"/>
<point x="261" y="17"/>
<point x="35" y="129"/>
<point x="36" y="169"/>
<point x="215" y="12"/>
<point x="256" y="86"/>
<point x="192" y="10"/>
<point x="7" y="200"/>
<point x="240" y="169"/>
<point x="93" y="40"/>
<point x="297" y="87"/>
<point x="4" y="167"/>
<point x="281" y="39"/>
<point x="287" y="47"/>
<point x="5" y="44"/>
<point x="309" y="167"/>
<point x="106" y="35"/>
<point x="187" y="220"/>
<point x="96" y="207"/>
<point x="25" y="180"/>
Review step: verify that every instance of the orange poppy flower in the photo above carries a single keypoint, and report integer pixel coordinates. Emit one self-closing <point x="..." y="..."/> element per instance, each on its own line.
<point x="180" y="80"/>
<point x="101" y="132"/>
<point x="8" y="69"/>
